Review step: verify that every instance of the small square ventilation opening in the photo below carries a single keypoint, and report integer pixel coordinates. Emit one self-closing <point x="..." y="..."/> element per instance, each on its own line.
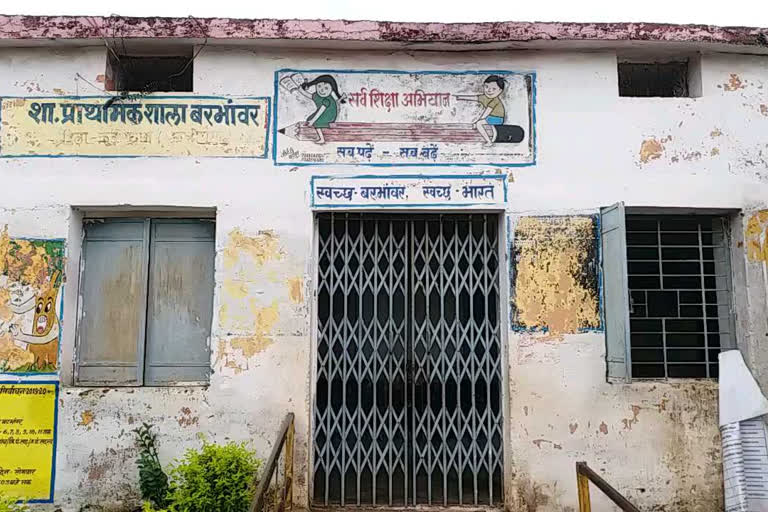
<point x="668" y="79"/>
<point x="149" y="73"/>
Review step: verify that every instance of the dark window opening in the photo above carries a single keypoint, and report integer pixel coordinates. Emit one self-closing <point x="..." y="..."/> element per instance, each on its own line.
<point x="149" y="73"/>
<point x="679" y="291"/>
<point x="654" y="79"/>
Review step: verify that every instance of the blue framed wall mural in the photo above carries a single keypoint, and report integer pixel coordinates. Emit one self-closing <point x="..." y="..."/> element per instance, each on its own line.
<point x="31" y="275"/>
<point x="420" y="118"/>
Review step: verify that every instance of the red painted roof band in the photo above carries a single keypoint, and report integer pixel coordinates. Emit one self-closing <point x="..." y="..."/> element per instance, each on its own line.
<point x="96" y="27"/>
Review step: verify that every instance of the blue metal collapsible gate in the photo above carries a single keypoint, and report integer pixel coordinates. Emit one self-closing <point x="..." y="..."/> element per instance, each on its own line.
<point x="408" y="383"/>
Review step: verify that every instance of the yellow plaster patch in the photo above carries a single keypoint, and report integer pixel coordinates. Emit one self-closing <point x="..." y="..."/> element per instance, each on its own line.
<point x="651" y="149"/>
<point x="756" y="235"/>
<point x="550" y="289"/>
<point x="260" y="248"/>
<point x="296" y="289"/>
<point x="86" y="418"/>
<point x="250" y="345"/>
<point x="257" y="340"/>
<point x="734" y="83"/>
<point x="235" y="289"/>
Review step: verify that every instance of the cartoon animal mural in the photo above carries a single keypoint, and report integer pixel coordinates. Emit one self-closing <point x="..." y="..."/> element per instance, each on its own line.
<point x="388" y="117"/>
<point x="30" y="292"/>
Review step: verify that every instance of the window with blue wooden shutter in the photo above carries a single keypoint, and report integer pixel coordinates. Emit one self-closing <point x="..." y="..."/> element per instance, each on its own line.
<point x="113" y="303"/>
<point x="615" y="291"/>
<point x="180" y="301"/>
<point x="146" y="291"/>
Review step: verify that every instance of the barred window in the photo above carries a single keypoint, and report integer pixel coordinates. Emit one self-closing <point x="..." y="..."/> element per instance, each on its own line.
<point x="676" y="311"/>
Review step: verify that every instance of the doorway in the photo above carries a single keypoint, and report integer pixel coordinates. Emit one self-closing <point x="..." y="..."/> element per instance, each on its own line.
<point x="408" y="381"/>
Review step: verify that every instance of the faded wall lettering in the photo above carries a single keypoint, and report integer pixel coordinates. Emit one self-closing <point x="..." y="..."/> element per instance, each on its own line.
<point x="372" y="191"/>
<point x="405" y="118"/>
<point x="151" y="126"/>
<point x="28" y="439"/>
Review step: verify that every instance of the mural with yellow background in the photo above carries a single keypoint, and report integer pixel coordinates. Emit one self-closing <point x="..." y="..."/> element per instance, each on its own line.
<point x="28" y="414"/>
<point x="31" y="273"/>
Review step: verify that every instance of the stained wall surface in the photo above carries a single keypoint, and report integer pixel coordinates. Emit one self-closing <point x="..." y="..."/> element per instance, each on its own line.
<point x="656" y="441"/>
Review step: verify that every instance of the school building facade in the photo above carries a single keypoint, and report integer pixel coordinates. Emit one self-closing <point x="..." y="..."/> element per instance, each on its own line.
<point x="464" y="256"/>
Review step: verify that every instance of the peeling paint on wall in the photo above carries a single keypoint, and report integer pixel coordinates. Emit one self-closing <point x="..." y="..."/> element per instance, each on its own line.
<point x="555" y="274"/>
<point x="705" y="147"/>
<point x="260" y="248"/>
<point x="757" y="236"/>
<point x="186" y="419"/>
<point x="628" y="422"/>
<point x="734" y="83"/>
<point x="296" y="289"/>
<point x="235" y="352"/>
<point x="651" y="149"/>
<point x="86" y="418"/>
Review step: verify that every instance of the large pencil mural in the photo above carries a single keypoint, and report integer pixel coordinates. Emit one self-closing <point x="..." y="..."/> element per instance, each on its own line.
<point x="401" y="118"/>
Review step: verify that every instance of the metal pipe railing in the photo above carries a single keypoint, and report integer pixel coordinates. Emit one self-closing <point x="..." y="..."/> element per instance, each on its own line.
<point x="584" y="475"/>
<point x="280" y="495"/>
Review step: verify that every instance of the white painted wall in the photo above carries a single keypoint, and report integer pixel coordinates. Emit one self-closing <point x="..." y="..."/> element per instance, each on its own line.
<point x="666" y="455"/>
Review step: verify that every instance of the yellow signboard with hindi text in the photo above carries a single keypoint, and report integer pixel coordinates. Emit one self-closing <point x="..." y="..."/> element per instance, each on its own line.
<point x="28" y="440"/>
<point x="152" y="125"/>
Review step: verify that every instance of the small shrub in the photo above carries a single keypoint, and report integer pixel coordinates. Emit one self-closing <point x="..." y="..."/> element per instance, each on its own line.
<point x="152" y="479"/>
<point x="8" y="504"/>
<point x="148" y="507"/>
<point x="217" y="478"/>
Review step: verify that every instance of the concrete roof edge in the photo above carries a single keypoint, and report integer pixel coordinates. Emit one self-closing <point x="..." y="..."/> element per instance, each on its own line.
<point x="21" y="27"/>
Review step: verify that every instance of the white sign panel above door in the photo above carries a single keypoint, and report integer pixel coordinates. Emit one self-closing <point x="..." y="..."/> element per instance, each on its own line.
<point x="373" y="191"/>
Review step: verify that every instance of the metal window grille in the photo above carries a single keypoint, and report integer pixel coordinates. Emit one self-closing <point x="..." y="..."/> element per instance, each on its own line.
<point x="408" y="385"/>
<point x="680" y="288"/>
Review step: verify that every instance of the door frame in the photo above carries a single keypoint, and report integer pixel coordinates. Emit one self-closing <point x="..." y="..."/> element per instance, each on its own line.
<point x="503" y="224"/>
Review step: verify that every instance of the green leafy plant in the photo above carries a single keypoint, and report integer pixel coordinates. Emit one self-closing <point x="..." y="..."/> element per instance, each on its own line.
<point x="8" y="504"/>
<point x="152" y="479"/>
<point x="217" y="478"/>
<point x="148" y="507"/>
